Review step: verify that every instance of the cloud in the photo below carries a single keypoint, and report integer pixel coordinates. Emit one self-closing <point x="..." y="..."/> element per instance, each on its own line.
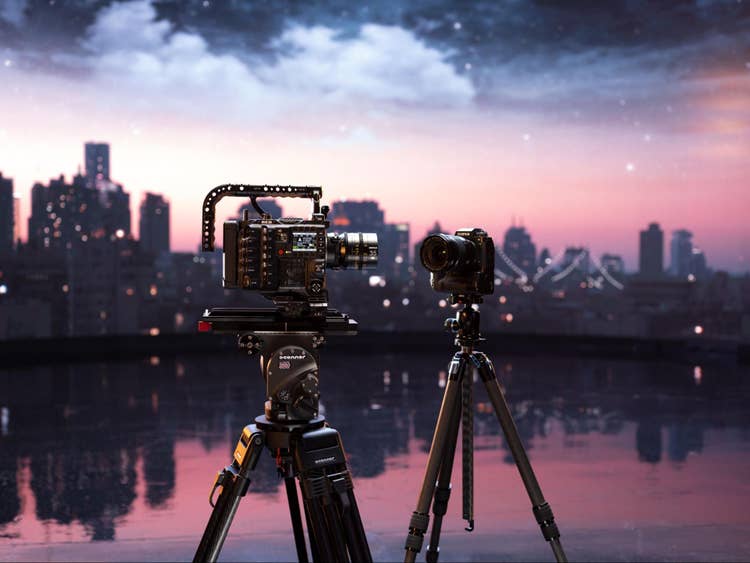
<point x="129" y="48"/>
<point x="386" y="63"/>
<point x="12" y="11"/>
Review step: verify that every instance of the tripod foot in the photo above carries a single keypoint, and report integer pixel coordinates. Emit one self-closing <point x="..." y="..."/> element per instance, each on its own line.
<point x="470" y="527"/>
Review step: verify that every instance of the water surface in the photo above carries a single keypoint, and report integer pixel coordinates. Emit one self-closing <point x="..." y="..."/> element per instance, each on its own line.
<point x="640" y="461"/>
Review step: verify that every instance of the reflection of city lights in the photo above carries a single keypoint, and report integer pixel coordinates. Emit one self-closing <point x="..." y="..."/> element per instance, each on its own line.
<point x="386" y="303"/>
<point x="3" y="289"/>
<point x="119" y="233"/>
<point x="442" y="303"/>
<point x="698" y="329"/>
<point x="153" y="331"/>
<point x="697" y="374"/>
<point x="691" y="278"/>
<point x="503" y="300"/>
<point x="130" y="292"/>
<point x="375" y="281"/>
<point x="405" y="301"/>
<point x="399" y="259"/>
<point x="509" y="318"/>
<point x="153" y="290"/>
<point x="65" y="288"/>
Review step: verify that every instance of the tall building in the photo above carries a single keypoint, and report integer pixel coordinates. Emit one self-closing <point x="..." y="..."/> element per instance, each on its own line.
<point x="356" y="215"/>
<point x="393" y="238"/>
<point x="651" y="252"/>
<point x="681" y="253"/>
<point x="6" y="216"/>
<point x="16" y="218"/>
<point x="154" y="224"/>
<point x="96" y="159"/>
<point x="522" y="252"/>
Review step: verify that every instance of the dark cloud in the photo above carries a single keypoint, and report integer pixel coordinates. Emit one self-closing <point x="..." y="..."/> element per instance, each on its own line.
<point x="518" y="54"/>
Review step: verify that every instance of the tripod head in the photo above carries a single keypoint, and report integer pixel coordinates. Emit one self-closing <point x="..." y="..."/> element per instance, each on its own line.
<point x="465" y="325"/>
<point x="289" y="356"/>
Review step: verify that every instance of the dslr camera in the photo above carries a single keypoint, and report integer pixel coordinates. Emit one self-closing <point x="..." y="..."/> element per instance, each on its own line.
<point x="462" y="264"/>
<point x="285" y="259"/>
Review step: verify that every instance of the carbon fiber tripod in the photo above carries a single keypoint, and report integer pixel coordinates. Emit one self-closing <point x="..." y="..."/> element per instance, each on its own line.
<point x="457" y="409"/>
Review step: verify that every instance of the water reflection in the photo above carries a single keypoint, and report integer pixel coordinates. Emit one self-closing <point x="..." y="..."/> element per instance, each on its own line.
<point x="92" y="439"/>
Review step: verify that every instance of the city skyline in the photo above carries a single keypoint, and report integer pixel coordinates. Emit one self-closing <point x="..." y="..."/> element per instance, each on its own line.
<point x="515" y="229"/>
<point x="589" y="124"/>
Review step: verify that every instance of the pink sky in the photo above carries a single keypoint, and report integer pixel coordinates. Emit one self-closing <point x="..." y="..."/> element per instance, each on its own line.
<point x="578" y="182"/>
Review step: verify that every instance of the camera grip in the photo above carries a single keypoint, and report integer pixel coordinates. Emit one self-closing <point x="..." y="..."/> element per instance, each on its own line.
<point x="244" y="190"/>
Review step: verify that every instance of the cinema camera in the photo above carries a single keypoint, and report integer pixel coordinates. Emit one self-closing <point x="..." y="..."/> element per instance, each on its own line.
<point x="460" y="264"/>
<point x="285" y="258"/>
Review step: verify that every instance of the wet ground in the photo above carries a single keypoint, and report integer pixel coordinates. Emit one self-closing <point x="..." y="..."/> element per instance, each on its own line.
<point x="640" y="461"/>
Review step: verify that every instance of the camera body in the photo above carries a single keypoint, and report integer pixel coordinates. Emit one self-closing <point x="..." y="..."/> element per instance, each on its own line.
<point x="462" y="264"/>
<point x="285" y="259"/>
<point x="284" y="262"/>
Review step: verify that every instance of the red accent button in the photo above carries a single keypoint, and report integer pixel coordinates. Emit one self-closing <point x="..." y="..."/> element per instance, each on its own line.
<point x="204" y="326"/>
<point x="281" y="252"/>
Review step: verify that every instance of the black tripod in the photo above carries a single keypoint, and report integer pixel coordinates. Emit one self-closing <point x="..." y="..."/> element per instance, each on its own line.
<point x="301" y="442"/>
<point x="457" y="409"/>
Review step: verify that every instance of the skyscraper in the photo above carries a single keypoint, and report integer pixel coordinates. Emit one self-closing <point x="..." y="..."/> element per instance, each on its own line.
<point x="518" y="247"/>
<point x="96" y="158"/>
<point x="651" y="253"/>
<point x="681" y="253"/>
<point x="6" y="215"/>
<point x="154" y="224"/>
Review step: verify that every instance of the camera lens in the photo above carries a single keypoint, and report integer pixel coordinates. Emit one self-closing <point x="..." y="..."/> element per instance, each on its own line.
<point x="440" y="253"/>
<point x="352" y="250"/>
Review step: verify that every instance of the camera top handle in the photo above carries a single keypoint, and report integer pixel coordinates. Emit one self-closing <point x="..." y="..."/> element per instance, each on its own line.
<point x="253" y="192"/>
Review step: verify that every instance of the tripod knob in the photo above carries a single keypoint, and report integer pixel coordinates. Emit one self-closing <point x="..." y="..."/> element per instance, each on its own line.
<point x="451" y="325"/>
<point x="250" y="343"/>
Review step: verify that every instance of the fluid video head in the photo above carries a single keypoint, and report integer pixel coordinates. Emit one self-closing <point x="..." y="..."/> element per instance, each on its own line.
<point x="285" y="258"/>
<point x="462" y="264"/>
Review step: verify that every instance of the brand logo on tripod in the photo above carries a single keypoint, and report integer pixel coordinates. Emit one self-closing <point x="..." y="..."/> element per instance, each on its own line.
<point x="325" y="460"/>
<point x="294" y="357"/>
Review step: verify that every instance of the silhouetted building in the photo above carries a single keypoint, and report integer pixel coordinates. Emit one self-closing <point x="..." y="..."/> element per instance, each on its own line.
<point x="96" y="159"/>
<point x="356" y="215"/>
<point x="698" y="265"/>
<point x="681" y="253"/>
<point x="393" y="238"/>
<point x="651" y="252"/>
<point x="518" y="247"/>
<point x="154" y="224"/>
<point x="7" y="219"/>
<point x="614" y="264"/>
<point x="62" y="213"/>
<point x="16" y="219"/>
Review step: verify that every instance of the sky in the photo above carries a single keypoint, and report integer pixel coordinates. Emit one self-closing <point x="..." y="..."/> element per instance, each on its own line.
<point x="584" y="120"/>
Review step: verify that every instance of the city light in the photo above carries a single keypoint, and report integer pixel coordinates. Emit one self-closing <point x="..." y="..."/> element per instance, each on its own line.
<point x="698" y="329"/>
<point x="386" y="303"/>
<point x="3" y="289"/>
<point x="442" y="303"/>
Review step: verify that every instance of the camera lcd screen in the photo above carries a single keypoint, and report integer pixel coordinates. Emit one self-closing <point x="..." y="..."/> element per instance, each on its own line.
<point x="304" y="242"/>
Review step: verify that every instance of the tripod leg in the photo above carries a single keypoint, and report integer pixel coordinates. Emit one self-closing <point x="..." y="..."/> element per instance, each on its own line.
<point x="467" y="447"/>
<point x="443" y="488"/>
<point x="234" y="481"/>
<point x="542" y="510"/>
<point x="420" y="518"/>
<point x="313" y="546"/>
<point x="299" y="534"/>
<point x="329" y="497"/>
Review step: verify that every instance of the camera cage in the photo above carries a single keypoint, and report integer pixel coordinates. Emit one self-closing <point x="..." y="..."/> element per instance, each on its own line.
<point x="253" y="192"/>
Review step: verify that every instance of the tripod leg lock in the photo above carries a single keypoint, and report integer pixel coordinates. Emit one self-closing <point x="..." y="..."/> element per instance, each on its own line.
<point x="417" y="528"/>
<point x="546" y="521"/>
<point x="440" y="504"/>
